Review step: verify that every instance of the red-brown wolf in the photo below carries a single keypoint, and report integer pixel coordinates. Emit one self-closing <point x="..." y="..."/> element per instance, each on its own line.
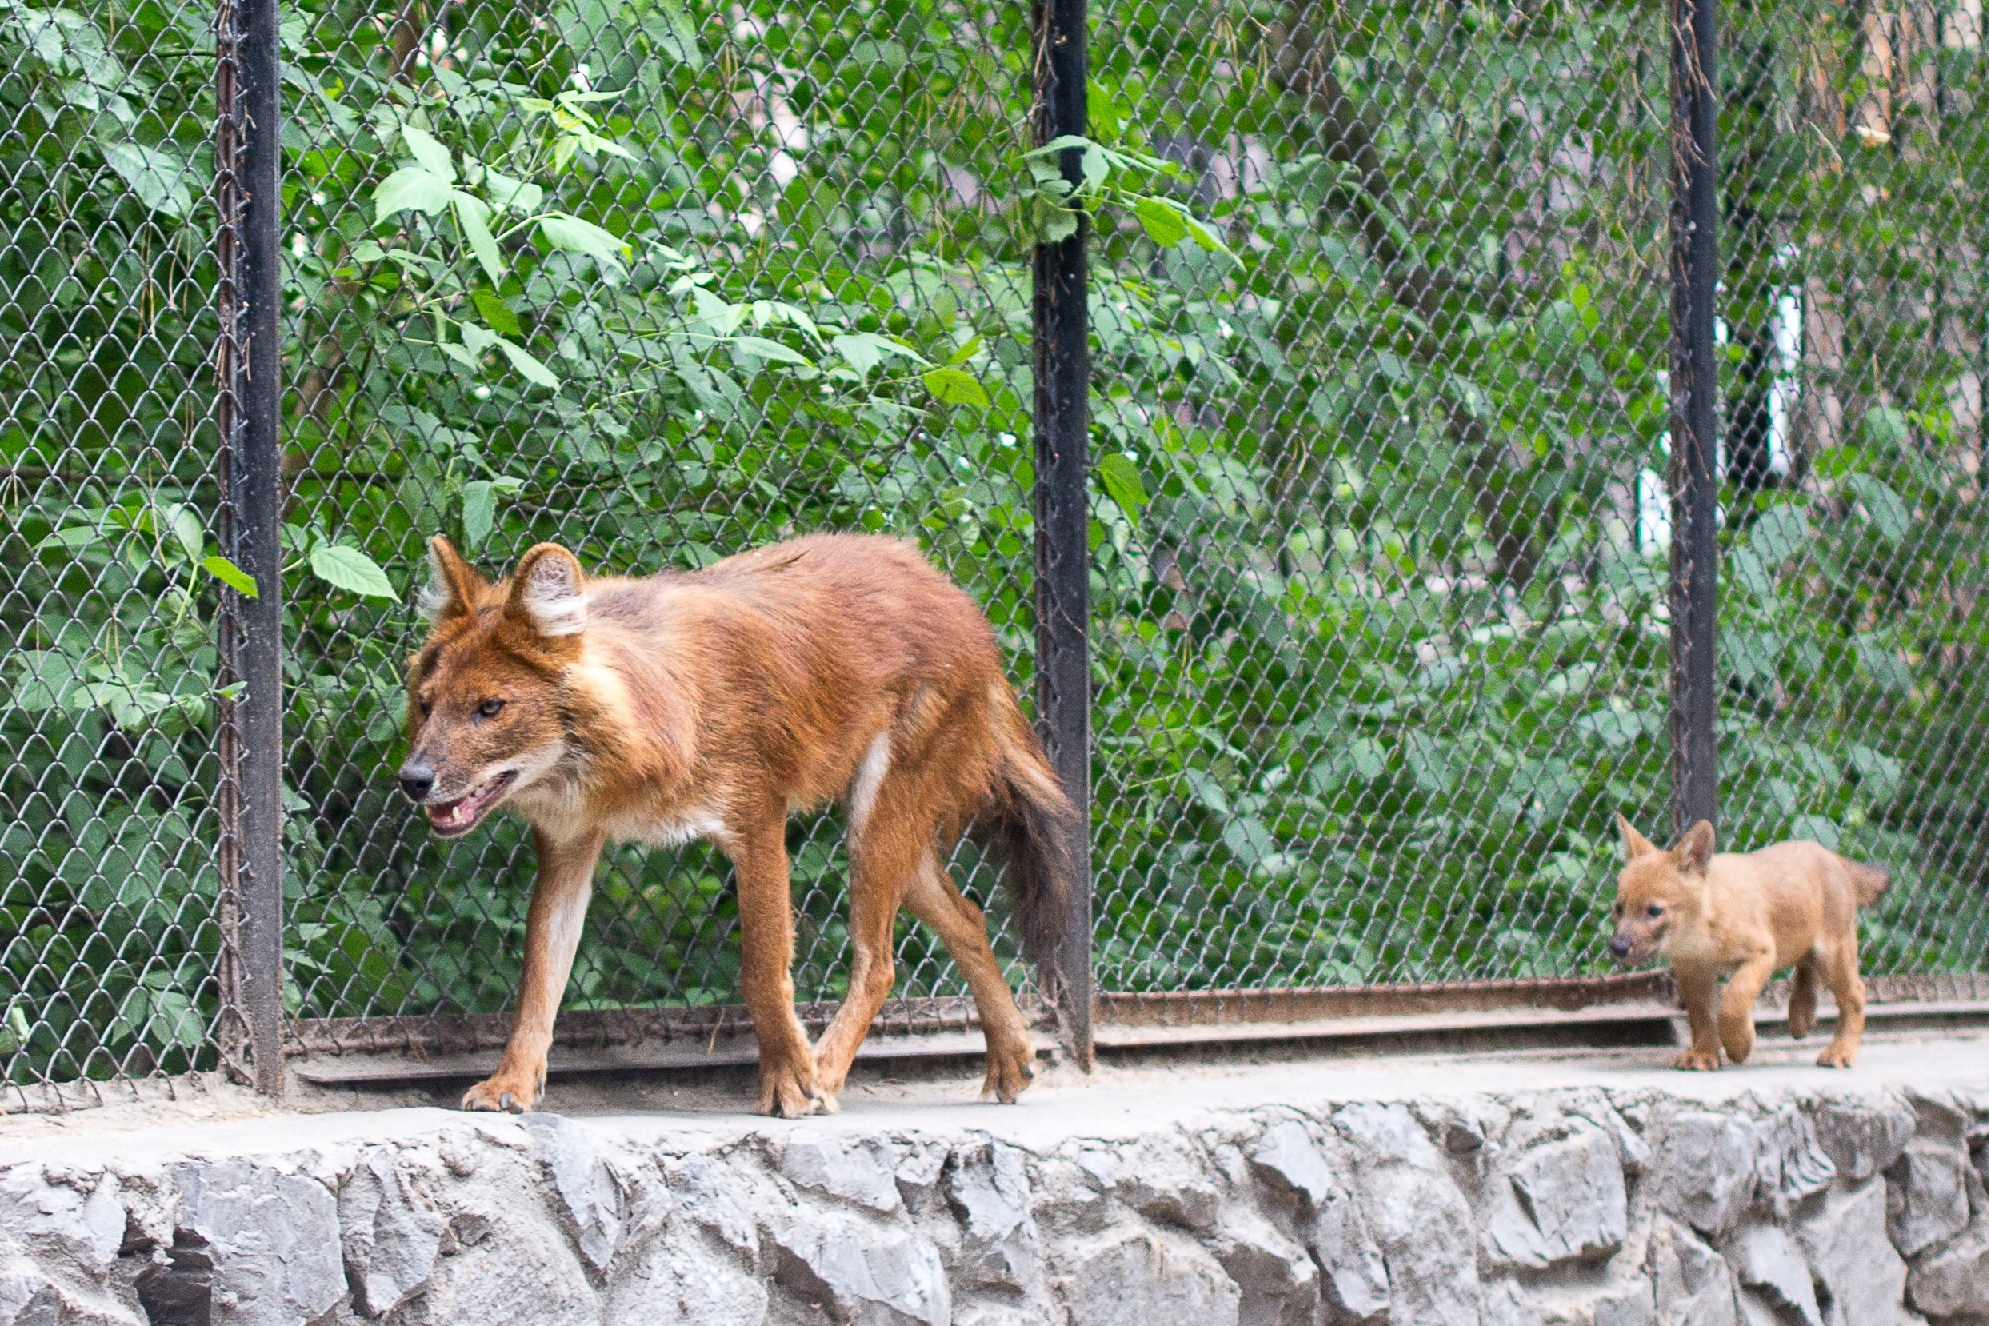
<point x="713" y="705"/>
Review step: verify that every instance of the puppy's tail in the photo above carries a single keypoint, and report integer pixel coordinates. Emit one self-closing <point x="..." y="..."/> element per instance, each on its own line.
<point x="1869" y="881"/>
<point x="1029" y="822"/>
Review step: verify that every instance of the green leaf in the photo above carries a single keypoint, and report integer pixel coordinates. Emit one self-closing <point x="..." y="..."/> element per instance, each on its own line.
<point x="234" y="577"/>
<point x="1884" y="666"/>
<point x="520" y="196"/>
<point x="577" y="236"/>
<point x="763" y="348"/>
<point x="432" y="155"/>
<point x="1886" y="424"/>
<point x="872" y="51"/>
<point x="955" y="386"/>
<point x="497" y="315"/>
<point x="475" y="339"/>
<point x="345" y="567"/>
<point x="184" y="522"/>
<point x="864" y="351"/>
<point x="474" y="218"/>
<point x="157" y="175"/>
<point x="411" y="188"/>
<point x="1164" y="220"/>
<point x="529" y="368"/>
<point x="1121" y="479"/>
<point x="479" y="512"/>
<point x="1884" y="508"/>
<point x="672" y="33"/>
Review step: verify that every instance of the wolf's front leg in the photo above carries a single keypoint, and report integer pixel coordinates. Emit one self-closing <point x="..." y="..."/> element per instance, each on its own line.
<point x="552" y="933"/>
<point x="766" y="934"/>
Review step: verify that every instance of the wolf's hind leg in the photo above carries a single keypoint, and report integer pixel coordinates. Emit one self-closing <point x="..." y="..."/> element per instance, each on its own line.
<point x="1802" y="997"/>
<point x="937" y="902"/>
<point x="1841" y="970"/>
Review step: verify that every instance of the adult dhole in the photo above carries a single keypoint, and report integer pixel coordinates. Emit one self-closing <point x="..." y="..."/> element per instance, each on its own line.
<point x="713" y="705"/>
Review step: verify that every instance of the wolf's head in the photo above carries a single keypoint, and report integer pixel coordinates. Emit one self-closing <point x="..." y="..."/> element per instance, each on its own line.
<point x="1658" y="894"/>
<point x="486" y="693"/>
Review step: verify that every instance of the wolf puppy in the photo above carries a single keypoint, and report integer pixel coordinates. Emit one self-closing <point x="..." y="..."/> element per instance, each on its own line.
<point x="1744" y="917"/>
<point x="713" y="705"/>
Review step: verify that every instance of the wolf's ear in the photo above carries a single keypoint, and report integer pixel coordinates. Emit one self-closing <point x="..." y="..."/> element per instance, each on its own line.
<point x="546" y="592"/>
<point x="1634" y="843"/>
<point x="1695" y="850"/>
<point x="453" y="586"/>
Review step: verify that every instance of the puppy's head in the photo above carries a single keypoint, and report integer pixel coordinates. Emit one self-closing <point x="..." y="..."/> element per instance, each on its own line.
<point x="487" y="697"/>
<point x="1658" y="893"/>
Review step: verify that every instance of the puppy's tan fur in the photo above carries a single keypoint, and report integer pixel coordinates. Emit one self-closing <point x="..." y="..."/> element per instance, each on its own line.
<point x="1746" y="916"/>
<point x="713" y="705"/>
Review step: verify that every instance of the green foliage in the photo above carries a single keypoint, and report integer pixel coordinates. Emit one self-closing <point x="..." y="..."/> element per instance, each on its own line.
<point x="1378" y="324"/>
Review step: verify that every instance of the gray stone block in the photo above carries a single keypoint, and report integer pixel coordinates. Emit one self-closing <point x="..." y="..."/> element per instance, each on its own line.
<point x="1926" y="1194"/>
<point x="872" y="1274"/>
<point x="1144" y="1278"/>
<point x="1708" y="1169"/>
<point x="271" y="1237"/>
<point x="388" y="1236"/>
<point x="1850" y="1256"/>
<point x="859" y="1170"/>
<point x="587" y="1192"/>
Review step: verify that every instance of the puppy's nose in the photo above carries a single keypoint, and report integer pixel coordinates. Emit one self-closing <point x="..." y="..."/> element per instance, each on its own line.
<point x="1619" y="946"/>
<point x="417" y="781"/>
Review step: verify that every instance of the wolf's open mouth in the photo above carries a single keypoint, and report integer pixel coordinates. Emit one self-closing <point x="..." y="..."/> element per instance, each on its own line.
<point x="450" y="818"/>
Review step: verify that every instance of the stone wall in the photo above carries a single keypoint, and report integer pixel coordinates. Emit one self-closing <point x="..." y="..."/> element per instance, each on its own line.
<point x="1614" y="1208"/>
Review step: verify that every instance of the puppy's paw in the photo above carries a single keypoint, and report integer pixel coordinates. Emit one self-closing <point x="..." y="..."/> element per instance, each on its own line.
<point x="503" y="1093"/>
<point x="1697" y="1061"/>
<point x="1837" y="1056"/>
<point x="1011" y="1068"/>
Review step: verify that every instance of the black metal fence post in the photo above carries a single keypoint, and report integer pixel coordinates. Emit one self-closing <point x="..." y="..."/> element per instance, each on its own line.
<point x="1062" y="371"/>
<point x="1695" y="480"/>
<point x="251" y="629"/>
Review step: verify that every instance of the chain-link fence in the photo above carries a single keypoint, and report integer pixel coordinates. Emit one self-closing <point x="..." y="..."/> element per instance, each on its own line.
<point x="1379" y="610"/>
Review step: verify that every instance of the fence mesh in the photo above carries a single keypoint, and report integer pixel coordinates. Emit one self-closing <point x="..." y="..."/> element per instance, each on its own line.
<point x="1379" y="410"/>
<point x="1855" y="708"/>
<point x="662" y="284"/>
<point x="108" y="887"/>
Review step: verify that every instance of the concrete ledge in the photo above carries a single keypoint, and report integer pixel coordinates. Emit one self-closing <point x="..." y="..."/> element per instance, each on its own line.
<point x="1593" y="1188"/>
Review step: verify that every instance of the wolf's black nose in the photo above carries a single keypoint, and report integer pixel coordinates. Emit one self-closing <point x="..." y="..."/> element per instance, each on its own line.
<point x="1620" y="947"/>
<point x="417" y="781"/>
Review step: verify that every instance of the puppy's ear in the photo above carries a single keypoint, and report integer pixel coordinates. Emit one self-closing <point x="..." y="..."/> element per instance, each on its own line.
<point x="1695" y="850"/>
<point x="1634" y="843"/>
<point x="454" y="588"/>
<point x="546" y="592"/>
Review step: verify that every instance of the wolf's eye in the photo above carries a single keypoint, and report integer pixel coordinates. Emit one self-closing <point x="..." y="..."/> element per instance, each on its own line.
<point x="489" y="708"/>
<point x="1654" y="911"/>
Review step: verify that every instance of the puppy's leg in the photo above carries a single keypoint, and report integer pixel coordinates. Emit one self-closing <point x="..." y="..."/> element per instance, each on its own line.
<point x="1737" y="1005"/>
<point x="552" y="933"/>
<point x="1802" y="997"/>
<point x="766" y="933"/>
<point x="884" y="853"/>
<point x="1699" y="988"/>
<point x="1841" y="970"/>
<point x="935" y="900"/>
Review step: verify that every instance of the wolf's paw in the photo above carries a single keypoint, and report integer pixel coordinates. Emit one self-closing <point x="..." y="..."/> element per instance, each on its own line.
<point x="1697" y="1061"/>
<point x="504" y="1093"/>
<point x="789" y="1091"/>
<point x="1011" y="1067"/>
<point x="1837" y="1056"/>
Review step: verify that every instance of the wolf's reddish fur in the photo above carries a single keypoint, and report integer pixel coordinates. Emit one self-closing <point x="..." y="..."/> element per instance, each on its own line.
<point x="713" y="705"/>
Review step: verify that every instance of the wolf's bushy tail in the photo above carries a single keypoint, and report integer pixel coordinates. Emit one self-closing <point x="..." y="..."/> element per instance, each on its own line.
<point x="1029" y="822"/>
<point x="1869" y="881"/>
